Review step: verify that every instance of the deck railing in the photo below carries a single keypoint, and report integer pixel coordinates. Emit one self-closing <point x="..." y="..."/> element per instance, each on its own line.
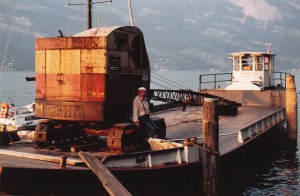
<point x="220" y="80"/>
<point x="214" y="79"/>
<point x="260" y="126"/>
<point x="280" y="78"/>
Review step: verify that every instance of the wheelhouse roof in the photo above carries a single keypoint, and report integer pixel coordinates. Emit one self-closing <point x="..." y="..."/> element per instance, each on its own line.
<point x="105" y="31"/>
<point x="252" y="54"/>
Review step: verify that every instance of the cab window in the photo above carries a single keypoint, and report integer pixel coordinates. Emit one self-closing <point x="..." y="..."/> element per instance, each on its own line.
<point x="259" y="63"/>
<point x="247" y="63"/>
<point x="236" y="63"/>
<point x="266" y="63"/>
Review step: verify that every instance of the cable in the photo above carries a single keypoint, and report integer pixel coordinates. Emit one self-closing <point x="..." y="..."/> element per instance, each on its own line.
<point x="165" y="82"/>
<point x="180" y="86"/>
<point x="10" y="30"/>
<point x="161" y="85"/>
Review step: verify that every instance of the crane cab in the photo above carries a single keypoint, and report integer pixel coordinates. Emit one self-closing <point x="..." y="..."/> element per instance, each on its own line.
<point x="92" y="76"/>
<point x="252" y="71"/>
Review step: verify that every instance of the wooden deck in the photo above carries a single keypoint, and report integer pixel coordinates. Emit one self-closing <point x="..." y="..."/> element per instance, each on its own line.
<point x="23" y="166"/>
<point x="180" y="125"/>
<point x="188" y="124"/>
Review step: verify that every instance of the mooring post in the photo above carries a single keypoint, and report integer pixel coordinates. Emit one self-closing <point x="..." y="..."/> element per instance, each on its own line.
<point x="63" y="162"/>
<point x="291" y="107"/>
<point x="210" y="134"/>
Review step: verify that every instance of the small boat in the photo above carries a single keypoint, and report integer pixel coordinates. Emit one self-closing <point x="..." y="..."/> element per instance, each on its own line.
<point x="18" y="118"/>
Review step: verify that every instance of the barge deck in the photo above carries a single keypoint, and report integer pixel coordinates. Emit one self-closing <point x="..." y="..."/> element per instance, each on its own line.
<point x="27" y="170"/>
<point x="180" y="125"/>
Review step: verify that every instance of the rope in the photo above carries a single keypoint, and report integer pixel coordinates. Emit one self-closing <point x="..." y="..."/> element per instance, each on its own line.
<point x="196" y="145"/>
<point x="69" y="18"/>
<point x="160" y="85"/>
<point x="226" y="134"/>
<point x="205" y="149"/>
<point x="179" y="140"/>
<point x="187" y="118"/>
<point x="10" y="30"/>
<point x="81" y="26"/>
<point x="165" y="82"/>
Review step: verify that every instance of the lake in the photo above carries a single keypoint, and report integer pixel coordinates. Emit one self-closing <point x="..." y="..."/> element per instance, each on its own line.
<point x="274" y="171"/>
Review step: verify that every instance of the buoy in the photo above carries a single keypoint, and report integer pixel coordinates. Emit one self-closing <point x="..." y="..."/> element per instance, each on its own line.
<point x="4" y="110"/>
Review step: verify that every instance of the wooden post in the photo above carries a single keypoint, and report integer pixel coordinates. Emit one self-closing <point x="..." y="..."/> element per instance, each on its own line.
<point x="109" y="182"/>
<point x="63" y="162"/>
<point x="291" y="107"/>
<point x="210" y="134"/>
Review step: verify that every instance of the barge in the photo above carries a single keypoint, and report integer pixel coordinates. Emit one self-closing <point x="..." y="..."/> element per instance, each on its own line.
<point x="83" y="108"/>
<point x="169" y="162"/>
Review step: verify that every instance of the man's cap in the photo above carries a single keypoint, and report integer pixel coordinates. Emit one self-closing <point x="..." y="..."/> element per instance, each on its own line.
<point x="141" y="89"/>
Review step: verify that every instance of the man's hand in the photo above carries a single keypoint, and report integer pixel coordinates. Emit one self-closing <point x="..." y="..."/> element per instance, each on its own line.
<point x="137" y="124"/>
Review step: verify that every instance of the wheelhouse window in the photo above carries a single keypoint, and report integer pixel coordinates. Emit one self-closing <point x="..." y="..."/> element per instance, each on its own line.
<point x="236" y="63"/>
<point x="259" y="66"/>
<point x="266" y="62"/>
<point x="247" y="63"/>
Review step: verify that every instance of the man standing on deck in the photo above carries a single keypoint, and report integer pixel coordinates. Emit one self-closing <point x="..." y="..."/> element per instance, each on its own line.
<point x="140" y="113"/>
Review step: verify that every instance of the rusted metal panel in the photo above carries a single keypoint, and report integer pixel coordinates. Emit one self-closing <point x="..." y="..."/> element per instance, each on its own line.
<point x="40" y="89"/>
<point x="50" y="43"/>
<point x="40" y="66"/>
<point x="72" y="111"/>
<point x="93" y="87"/>
<point x="63" y="75"/>
<point x="52" y="61"/>
<point x="93" y="61"/>
<point x="87" y="70"/>
<point x="63" y="87"/>
<point x="70" y="43"/>
<point x="87" y="43"/>
<point x="40" y="61"/>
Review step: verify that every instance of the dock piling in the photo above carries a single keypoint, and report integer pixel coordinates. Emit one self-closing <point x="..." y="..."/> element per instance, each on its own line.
<point x="63" y="162"/>
<point x="210" y="133"/>
<point x="291" y="107"/>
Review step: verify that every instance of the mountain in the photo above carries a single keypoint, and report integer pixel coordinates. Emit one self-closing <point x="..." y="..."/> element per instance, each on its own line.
<point x="180" y="35"/>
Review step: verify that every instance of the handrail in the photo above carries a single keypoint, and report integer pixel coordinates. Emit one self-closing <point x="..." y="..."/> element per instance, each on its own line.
<point x="281" y="79"/>
<point x="188" y="97"/>
<point x="216" y="80"/>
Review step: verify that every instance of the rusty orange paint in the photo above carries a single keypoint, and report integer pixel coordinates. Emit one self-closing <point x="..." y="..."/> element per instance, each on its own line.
<point x="79" y="78"/>
<point x="70" y="43"/>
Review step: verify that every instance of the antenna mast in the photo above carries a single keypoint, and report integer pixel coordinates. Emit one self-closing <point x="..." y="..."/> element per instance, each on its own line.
<point x="89" y="14"/>
<point x="130" y="12"/>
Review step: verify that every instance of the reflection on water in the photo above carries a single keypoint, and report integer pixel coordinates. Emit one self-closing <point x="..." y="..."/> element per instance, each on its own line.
<point x="280" y="175"/>
<point x="273" y="170"/>
<point x="270" y="170"/>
